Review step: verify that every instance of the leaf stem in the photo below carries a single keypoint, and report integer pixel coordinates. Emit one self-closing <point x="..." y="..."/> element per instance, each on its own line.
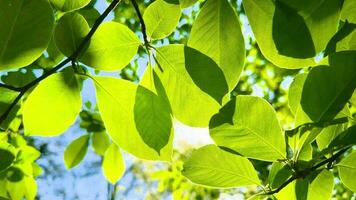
<point x="71" y="58"/>
<point x="307" y="171"/>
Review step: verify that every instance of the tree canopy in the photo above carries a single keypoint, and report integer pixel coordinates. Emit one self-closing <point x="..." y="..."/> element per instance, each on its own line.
<point x="153" y="64"/>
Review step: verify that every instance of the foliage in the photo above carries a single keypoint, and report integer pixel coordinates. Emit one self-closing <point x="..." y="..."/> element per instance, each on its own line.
<point x="283" y="146"/>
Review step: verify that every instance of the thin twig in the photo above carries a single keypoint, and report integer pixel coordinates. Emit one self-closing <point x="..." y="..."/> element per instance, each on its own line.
<point x="306" y="172"/>
<point x="73" y="57"/>
<point x="142" y="22"/>
<point x="10" y="87"/>
<point x="308" y="126"/>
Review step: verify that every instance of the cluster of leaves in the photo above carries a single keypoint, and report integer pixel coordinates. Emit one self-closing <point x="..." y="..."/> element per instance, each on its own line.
<point x="191" y="82"/>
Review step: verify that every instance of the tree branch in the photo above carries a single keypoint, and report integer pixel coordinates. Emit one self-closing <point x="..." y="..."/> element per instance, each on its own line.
<point x="306" y="172"/>
<point x="312" y="125"/>
<point x="73" y="57"/>
<point x="10" y="87"/>
<point x="142" y="22"/>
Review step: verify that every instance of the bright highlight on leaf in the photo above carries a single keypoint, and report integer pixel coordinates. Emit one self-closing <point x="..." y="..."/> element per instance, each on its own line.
<point x="210" y="36"/>
<point x="322" y="186"/>
<point x="129" y="121"/>
<point x="347" y="171"/>
<point x="53" y="106"/>
<point x="194" y="83"/>
<point x="214" y="167"/>
<point x="249" y="126"/>
<point x="75" y="151"/>
<point x="290" y="34"/>
<point x="113" y="164"/>
<point x="111" y="48"/>
<point x="161" y="19"/>
<point x="69" y="5"/>
<point x="26" y="28"/>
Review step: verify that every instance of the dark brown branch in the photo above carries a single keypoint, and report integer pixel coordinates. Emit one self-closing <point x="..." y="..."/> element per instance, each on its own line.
<point x="73" y="57"/>
<point x="142" y="22"/>
<point x="306" y="172"/>
<point x="10" y="87"/>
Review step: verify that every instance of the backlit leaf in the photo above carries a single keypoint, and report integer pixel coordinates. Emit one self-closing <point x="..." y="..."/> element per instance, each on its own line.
<point x="113" y="164"/>
<point x="129" y="129"/>
<point x="69" y="5"/>
<point x="249" y="126"/>
<point x="214" y="167"/>
<point x="210" y="36"/>
<point x="161" y="19"/>
<point x="53" y="106"/>
<point x="76" y="151"/>
<point x="347" y="171"/>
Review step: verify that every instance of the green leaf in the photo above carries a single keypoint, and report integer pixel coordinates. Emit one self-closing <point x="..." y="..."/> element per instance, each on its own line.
<point x="187" y="3"/>
<point x="294" y="98"/>
<point x="53" y="106"/>
<point x="214" y="167"/>
<point x="28" y="154"/>
<point x="348" y="11"/>
<point x="51" y="57"/>
<point x="129" y="129"/>
<point x="249" y="126"/>
<point x="69" y="33"/>
<point x="26" y="188"/>
<point x="183" y="3"/>
<point x="161" y="18"/>
<point x="101" y="142"/>
<point x="111" y="48"/>
<point x="19" y="78"/>
<point x="353" y="100"/>
<point x="275" y="27"/>
<point x="346" y="138"/>
<point x="26" y="29"/>
<point x="343" y="40"/>
<point x="347" y="171"/>
<point x="296" y="190"/>
<point x="6" y="98"/>
<point x="7" y="155"/>
<point x="76" y="151"/>
<point x="113" y="164"/>
<point x="321" y="187"/>
<point x="210" y="36"/>
<point x="328" y="88"/>
<point x="188" y="74"/>
<point x="152" y="114"/>
<point x="278" y="174"/>
<point x="69" y="5"/>
<point x="328" y="134"/>
<point x="90" y="15"/>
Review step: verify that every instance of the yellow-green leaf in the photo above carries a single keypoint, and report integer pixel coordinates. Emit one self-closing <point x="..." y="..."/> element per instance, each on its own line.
<point x="53" y="106"/>
<point x="161" y="19"/>
<point x="69" y="5"/>
<point x="113" y="164"/>
<point x="249" y="126"/>
<point x="75" y="151"/>
<point x="210" y="36"/>
<point x="116" y="101"/>
<point x="214" y="167"/>
<point x="111" y="48"/>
